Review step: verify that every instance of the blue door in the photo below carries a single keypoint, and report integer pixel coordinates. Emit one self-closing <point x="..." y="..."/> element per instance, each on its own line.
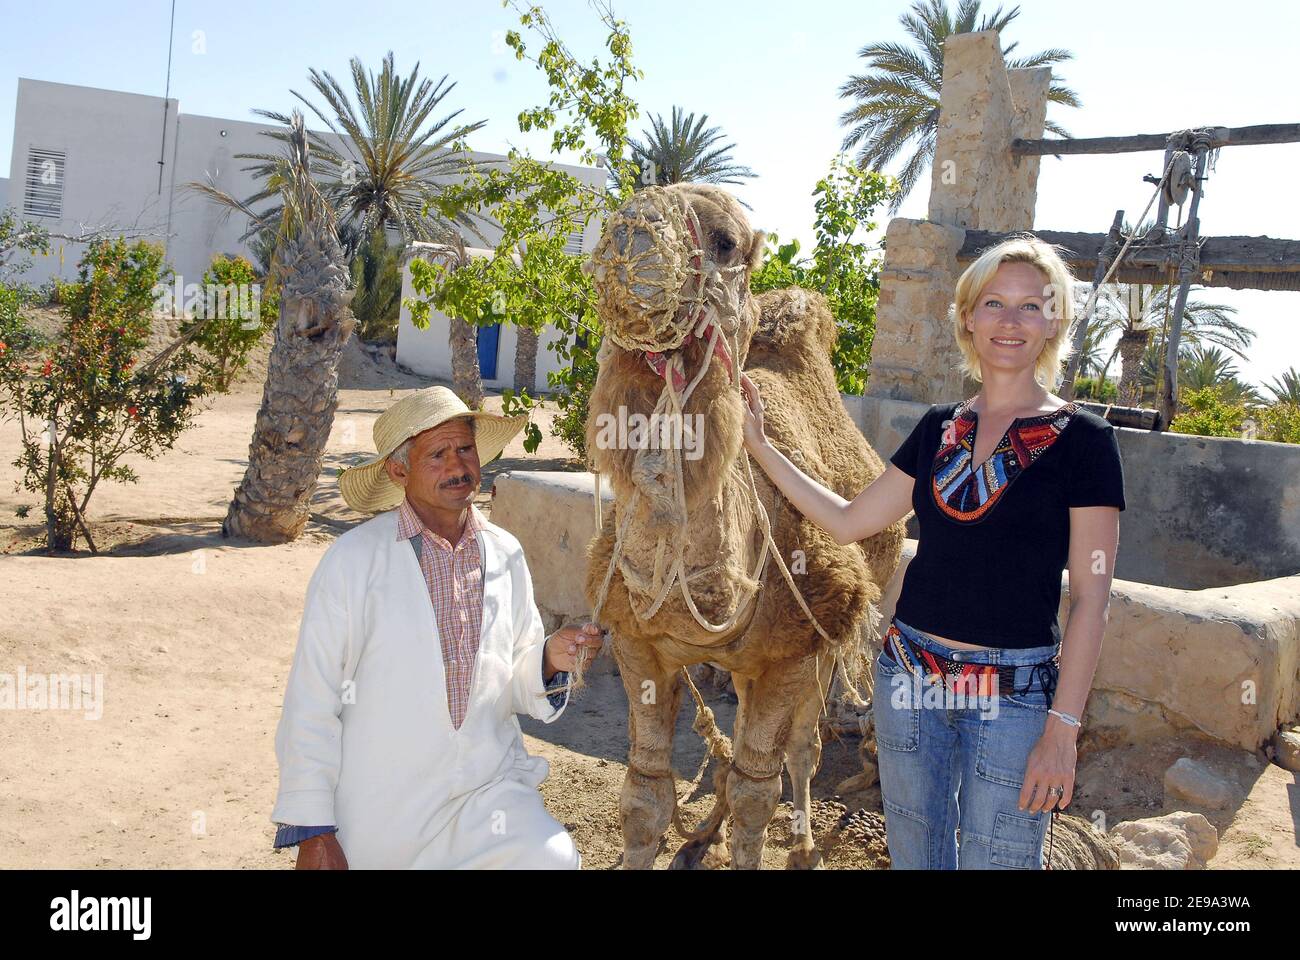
<point x="488" y="338"/>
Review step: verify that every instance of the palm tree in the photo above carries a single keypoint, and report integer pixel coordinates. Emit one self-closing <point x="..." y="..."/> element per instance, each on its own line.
<point x="1139" y="313"/>
<point x="388" y="155"/>
<point x="273" y="501"/>
<point x="1286" y="388"/>
<point x="377" y="279"/>
<point x="684" y="151"/>
<point x="1198" y="367"/>
<point x="382" y="171"/>
<point x="897" y="100"/>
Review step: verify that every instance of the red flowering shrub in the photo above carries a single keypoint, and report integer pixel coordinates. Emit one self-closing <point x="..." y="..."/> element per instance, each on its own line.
<point x="87" y="398"/>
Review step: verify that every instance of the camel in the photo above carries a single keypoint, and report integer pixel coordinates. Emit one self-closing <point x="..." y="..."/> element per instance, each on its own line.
<point x="672" y="274"/>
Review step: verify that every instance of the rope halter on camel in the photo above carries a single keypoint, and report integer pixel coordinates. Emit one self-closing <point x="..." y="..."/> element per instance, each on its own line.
<point x="654" y="274"/>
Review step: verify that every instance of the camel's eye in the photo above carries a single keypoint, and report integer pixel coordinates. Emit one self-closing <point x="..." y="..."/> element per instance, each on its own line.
<point x="725" y="244"/>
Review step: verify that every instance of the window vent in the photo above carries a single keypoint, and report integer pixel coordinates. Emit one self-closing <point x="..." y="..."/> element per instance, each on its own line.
<point x="44" y="183"/>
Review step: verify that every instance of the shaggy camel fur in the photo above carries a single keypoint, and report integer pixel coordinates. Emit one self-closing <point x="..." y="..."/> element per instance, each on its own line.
<point x="781" y="666"/>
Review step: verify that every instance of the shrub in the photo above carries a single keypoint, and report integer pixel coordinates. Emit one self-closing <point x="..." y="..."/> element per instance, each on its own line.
<point x="242" y="315"/>
<point x="1207" y="413"/>
<point x="83" y="399"/>
<point x="1086" y="388"/>
<point x="1280" y="423"/>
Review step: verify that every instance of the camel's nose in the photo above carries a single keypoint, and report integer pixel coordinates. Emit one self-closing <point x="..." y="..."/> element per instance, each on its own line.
<point x="635" y="253"/>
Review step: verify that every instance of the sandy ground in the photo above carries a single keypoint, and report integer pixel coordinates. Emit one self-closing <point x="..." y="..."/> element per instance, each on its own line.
<point x="193" y="636"/>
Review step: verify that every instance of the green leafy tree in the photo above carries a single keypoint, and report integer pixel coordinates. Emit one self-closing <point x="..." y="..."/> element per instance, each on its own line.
<point x="83" y="399"/>
<point x="683" y="150"/>
<point x="531" y="280"/>
<point x="897" y="99"/>
<point x="244" y="312"/>
<point x="19" y="241"/>
<point x="843" y="266"/>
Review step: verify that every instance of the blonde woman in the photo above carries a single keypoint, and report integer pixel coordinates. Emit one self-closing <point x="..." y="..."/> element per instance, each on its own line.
<point x="1009" y="487"/>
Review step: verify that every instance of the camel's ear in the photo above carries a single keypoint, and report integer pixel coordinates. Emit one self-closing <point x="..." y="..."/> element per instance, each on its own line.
<point x="757" y="246"/>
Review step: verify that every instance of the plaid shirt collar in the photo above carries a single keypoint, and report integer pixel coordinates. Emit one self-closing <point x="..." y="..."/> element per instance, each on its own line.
<point x="409" y="524"/>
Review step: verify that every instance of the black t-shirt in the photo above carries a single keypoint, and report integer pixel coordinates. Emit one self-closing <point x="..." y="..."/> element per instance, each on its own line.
<point x="994" y="541"/>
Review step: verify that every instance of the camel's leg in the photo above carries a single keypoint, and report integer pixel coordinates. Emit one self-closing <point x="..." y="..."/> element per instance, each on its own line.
<point x="763" y="724"/>
<point x="646" y="803"/>
<point x="802" y="757"/>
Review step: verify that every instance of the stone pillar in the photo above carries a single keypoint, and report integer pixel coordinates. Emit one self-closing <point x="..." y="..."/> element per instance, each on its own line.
<point x="914" y="355"/>
<point x="975" y="182"/>
<point x="1029" y="94"/>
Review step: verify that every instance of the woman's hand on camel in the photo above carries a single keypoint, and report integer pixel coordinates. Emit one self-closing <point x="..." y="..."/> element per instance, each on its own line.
<point x="753" y="426"/>
<point x="1049" y="774"/>
<point x="321" y="852"/>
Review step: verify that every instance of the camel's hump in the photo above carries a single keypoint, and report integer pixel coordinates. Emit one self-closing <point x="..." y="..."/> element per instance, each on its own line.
<point x="793" y="318"/>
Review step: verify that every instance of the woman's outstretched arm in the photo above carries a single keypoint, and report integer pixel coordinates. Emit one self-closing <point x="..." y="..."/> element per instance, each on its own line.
<point x="887" y="499"/>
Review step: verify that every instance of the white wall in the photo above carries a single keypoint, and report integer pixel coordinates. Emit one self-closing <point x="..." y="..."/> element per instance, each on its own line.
<point x="113" y="142"/>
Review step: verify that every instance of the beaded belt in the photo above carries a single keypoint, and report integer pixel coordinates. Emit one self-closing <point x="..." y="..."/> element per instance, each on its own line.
<point x="974" y="679"/>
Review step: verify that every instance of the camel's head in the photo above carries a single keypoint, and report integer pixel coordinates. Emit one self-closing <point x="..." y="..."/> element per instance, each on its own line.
<point x="671" y="273"/>
<point x="670" y="264"/>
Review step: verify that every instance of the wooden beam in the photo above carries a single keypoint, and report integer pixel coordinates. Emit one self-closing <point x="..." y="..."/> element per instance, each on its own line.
<point x="1264" y="133"/>
<point x="1242" y="263"/>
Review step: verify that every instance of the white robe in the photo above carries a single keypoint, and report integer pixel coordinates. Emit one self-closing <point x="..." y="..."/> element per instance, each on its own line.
<point x="366" y="742"/>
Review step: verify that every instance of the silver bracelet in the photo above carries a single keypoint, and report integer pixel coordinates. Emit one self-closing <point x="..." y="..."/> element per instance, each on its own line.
<point x="1067" y="718"/>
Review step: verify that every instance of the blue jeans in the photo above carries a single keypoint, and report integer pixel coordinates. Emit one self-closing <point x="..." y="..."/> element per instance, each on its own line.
<point x="957" y="763"/>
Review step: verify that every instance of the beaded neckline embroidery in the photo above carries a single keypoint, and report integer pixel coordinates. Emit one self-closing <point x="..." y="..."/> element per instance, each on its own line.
<point x="966" y="493"/>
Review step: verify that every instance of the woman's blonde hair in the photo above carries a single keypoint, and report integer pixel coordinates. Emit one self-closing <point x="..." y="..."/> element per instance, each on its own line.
<point x="1058" y="290"/>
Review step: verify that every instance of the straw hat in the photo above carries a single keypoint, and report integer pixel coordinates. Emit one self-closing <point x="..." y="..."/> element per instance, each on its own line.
<point x="367" y="486"/>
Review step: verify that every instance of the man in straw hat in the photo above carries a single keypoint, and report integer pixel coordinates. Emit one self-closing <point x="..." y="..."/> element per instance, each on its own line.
<point x="420" y="641"/>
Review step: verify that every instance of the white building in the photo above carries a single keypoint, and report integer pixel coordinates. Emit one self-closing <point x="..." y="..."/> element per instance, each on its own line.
<point x="85" y="157"/>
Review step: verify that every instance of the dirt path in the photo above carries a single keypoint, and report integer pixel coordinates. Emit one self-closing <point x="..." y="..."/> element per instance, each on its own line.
<point x="192" y="638"/>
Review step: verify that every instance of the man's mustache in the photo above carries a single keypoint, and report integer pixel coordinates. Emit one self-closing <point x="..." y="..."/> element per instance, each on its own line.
<point x="456" y="482"/>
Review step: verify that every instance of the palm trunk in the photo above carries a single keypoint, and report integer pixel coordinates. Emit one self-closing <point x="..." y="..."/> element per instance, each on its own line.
<point x="526" y="359"/>
<point x="465" y="377"/>
<point x="1132" y="345"/>
<point x="273" y="501"/>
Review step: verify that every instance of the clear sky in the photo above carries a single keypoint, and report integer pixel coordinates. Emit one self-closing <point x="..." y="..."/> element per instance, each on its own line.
<point x="767" y="72"/>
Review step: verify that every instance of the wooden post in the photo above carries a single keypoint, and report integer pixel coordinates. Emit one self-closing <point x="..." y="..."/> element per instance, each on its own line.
<point x="1187" y="269"/>
<point x="1162" y="211"/>
<point x="1104" y="259"/>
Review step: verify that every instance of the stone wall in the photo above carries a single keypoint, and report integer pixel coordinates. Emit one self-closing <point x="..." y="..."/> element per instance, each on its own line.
<point x="914" y="355"/>
<point x="1223" y="663"/>
<point x="1200" y="511"/>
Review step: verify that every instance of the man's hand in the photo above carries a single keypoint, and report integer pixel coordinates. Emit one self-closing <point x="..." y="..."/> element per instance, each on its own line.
<point x="321" y="852"/>
<point x="564" y="644"/>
